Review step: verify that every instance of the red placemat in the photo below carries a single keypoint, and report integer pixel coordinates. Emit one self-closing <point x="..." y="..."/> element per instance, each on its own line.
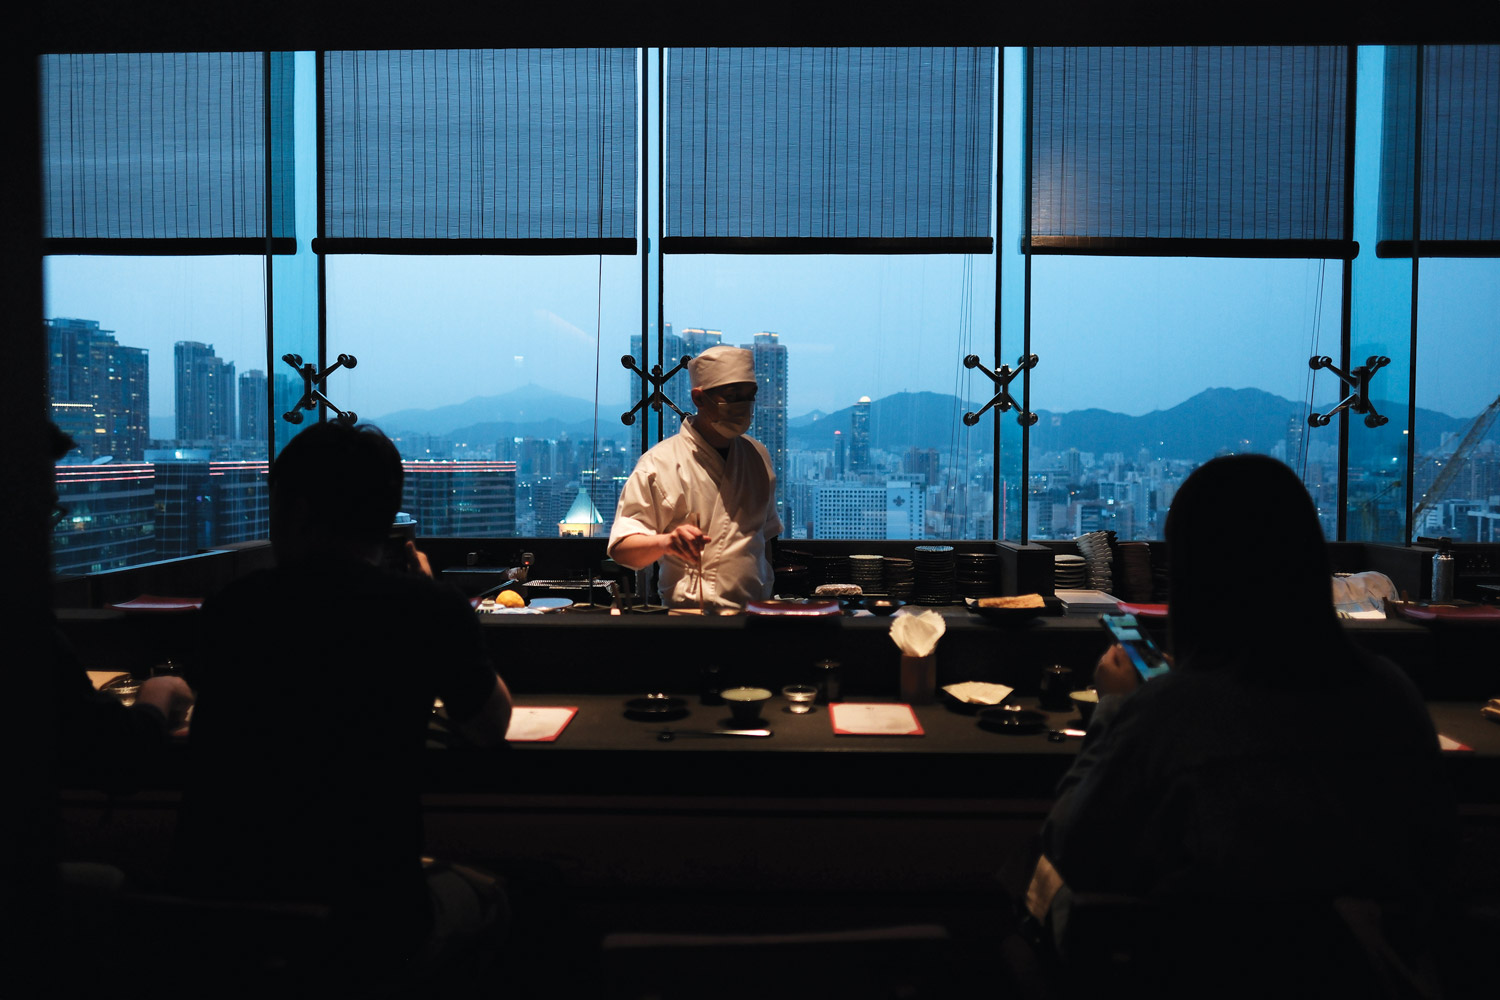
<point x="150" y="602"/>
<point x="1447" y="613"/>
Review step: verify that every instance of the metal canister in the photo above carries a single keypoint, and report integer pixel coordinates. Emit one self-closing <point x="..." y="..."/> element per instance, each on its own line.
<point x="827" y="681"/>
<point x="1056" y="688"/>
<point x="708" y="686"/>
<point x="1442" y="576"/>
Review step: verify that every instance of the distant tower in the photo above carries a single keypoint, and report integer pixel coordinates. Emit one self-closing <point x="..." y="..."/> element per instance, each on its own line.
<point x="205" y="392"/>
<point x="102" y="385"/>
<point x="582" y="520"/>
<point x="859" y="435"/>
<point x="678" y="390"/>
<point x="1294" y="427"/>
<point x="1074" y="466"/>
<point x="769" y="427"/>
<point x="838" y="454"/>
<point x="253" y="403"/>
<point x="696" y="341"/>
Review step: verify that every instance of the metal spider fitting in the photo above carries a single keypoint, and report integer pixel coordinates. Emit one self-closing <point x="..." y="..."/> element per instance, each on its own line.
<point x="1358" y="381"/>
<point x="1003" y="400"/>
<point x="312" y="393"/>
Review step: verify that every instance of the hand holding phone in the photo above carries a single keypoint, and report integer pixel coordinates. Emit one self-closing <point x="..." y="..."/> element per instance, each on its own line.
<point x="1148" y="660"/>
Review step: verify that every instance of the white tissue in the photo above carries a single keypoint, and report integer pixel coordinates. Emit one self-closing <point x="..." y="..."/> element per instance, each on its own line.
<point x="917" y="633"/>
<point x="1362" y="592"/>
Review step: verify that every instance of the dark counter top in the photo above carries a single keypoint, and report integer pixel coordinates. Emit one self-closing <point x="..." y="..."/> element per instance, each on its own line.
<point x="601" y="752"/>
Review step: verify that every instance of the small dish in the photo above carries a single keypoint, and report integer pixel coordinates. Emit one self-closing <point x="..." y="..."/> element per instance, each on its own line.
<point x="881" y="606"/>
<point x="1085" y="702"/>
<point x="779" y="606"/>
<point x="1011" y="720"/>
<point x="745" y="703"/>
<point x="656" y="708"/>
<point x="1014" y="616"/>
<point x="960" y="706"/>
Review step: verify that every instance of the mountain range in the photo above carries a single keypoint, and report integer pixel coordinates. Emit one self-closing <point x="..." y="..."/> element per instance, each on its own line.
<point x="1212" y="421"/>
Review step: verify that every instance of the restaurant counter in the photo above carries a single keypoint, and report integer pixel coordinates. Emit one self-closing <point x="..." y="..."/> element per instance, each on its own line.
<point x="614" y="811"/>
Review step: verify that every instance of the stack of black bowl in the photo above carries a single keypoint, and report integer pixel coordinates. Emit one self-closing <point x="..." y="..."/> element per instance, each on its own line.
<point x="869" y="572"/>
<point x="977" y="573"/>
<point x="935" y="574"/>
<point x="900" y="577"/>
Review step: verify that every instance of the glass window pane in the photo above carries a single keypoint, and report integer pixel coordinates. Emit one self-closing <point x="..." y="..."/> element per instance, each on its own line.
<point x="1458" y="394"/>
<point x="157" y="371"/>
<point x="1151" y="366"/>
<point x="875" y="388"/>
<point x="485" y="371"/>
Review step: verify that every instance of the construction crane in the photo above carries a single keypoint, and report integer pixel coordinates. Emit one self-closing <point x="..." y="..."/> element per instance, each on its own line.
<point x="1476" y="432"/>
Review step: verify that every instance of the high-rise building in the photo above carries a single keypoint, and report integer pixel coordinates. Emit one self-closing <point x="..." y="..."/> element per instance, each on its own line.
<point x="184" y="502"/>
<point x="869" y="510"/>
<point x="205" y="392"/>
<point x="100" y="390"/>
<point x="677" y="388"/>
<point x="769" y="426"/>
<point x="461" y="498"/>
<point x="110" y="519"/>
<point x="859" y="436"/>
<point x="922" y="462"/>
<point x="253" y="406"/>
<point x="696" y="340"/>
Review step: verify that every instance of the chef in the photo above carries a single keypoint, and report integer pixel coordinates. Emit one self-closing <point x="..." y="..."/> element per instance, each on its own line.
<point x="703" y="502"/>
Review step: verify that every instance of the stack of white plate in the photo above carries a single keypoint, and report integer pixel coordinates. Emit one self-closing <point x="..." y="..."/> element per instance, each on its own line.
<point x="1069" y="572"/>
<point x="1099" y="558"/>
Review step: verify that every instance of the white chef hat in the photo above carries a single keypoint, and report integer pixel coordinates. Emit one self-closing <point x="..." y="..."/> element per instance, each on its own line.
<point x="721" y="365"/>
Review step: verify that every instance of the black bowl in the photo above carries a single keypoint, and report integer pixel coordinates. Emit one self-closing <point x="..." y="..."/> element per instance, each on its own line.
<point x="1016" y="722"/>
<point x="882" y="606"/>
<point x="656" y="708"/>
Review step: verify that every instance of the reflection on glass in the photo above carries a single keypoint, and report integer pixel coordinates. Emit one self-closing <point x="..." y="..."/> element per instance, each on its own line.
<point x="499" y="380"/>
<point x="156" y="371"/>
<point x="862" y="384"/>
<point x="1457" y="466"/>
<point x="1150" y="367"/>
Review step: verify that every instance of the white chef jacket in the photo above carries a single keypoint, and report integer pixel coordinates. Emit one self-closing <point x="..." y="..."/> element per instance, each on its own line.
<point x="735" y="501"/>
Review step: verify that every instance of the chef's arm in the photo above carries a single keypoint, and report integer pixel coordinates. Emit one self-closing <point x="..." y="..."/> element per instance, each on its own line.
<point x="638" y="551"/>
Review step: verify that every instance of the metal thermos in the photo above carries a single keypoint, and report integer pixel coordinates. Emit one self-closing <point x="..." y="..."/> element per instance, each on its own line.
<point x="829" y="689"/>
<point x="1442" y="576"/>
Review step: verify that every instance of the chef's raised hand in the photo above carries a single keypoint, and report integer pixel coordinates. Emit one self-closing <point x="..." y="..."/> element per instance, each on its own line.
<point x="686" y="542"/>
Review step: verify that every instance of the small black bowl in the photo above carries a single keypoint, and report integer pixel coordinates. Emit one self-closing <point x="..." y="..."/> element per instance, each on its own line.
<point x="1014" y="721"/>
<point x="882" y="606"/>
<point x="656" y="708"/>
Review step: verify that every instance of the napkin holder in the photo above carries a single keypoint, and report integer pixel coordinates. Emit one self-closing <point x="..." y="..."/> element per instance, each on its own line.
<point x="918" y="678"/>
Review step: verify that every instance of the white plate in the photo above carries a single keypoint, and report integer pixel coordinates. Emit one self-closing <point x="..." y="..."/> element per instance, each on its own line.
<point x="549" y="603"/>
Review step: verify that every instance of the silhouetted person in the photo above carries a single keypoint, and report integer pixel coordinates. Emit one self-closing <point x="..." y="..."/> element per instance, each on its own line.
<point x="316" y="682"/>
<point x="1276" y="761"/>
<point x="101" y="742"/>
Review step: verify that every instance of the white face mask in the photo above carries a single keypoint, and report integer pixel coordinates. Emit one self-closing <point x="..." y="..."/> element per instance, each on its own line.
<point x="734" y="419"/>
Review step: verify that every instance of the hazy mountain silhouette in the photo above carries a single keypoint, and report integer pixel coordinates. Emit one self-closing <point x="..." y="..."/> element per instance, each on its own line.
<point x="1211" y="422"/>
<point x="529" y="404"/>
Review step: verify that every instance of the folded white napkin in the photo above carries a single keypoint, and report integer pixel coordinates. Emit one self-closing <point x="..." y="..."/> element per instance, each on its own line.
<point x="979" y="692"/>
<point x="917" y="633"/>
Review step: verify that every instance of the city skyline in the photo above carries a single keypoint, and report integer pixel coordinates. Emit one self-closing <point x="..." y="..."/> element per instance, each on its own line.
<point x="866" y="470"/>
